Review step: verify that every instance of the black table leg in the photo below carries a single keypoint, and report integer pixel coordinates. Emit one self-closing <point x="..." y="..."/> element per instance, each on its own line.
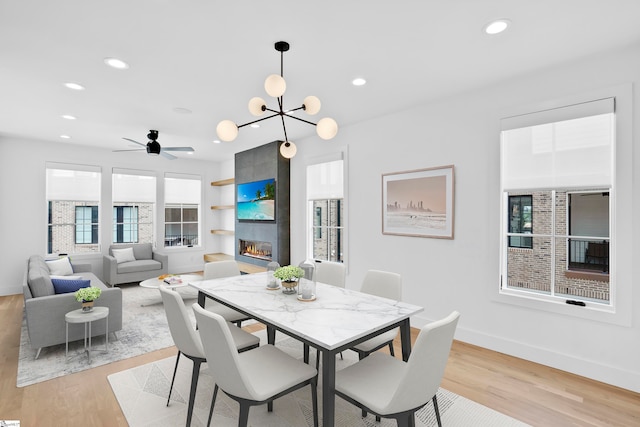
<point x="405" y="337"/>
<point x="271" y="335"/>
<point x="328" y="388"/>
<point x="305" y="350"/>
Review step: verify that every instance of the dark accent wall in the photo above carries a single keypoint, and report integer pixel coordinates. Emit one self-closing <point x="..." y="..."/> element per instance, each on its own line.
<point x="260" y="163"/>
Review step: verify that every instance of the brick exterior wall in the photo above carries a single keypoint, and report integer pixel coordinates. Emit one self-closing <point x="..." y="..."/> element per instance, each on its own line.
<point x="531" y="268"/>
<point x="63" y="229"/>
<point x="326" y="247"/>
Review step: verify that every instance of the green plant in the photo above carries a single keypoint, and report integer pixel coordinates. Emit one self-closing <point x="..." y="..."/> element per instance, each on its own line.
<point x="88" y="294"/>
<point x="288" y="273"/>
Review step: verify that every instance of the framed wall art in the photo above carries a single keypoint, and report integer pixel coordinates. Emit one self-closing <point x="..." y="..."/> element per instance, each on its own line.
<point x="418" y="203"/>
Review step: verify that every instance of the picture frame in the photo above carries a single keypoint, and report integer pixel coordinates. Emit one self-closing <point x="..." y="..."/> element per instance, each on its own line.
<point x="419" y="203"/>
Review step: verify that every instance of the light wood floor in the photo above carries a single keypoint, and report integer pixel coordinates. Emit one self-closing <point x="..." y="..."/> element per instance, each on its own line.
<point x="532" y="393"/>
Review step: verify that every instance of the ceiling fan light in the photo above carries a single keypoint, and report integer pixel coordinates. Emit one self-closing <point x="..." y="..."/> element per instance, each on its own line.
<point x="153" y="147"/>
<point x="227" y="130"/>
<point x="311" y="105"/>
<point x="327" y="128"/>
<point x="257" y="106"/>
<point x="288" y="149"/>
<point x="275" y="85"/>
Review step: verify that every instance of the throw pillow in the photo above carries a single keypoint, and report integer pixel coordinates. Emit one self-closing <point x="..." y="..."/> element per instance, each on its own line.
<point x="60" y="267"/>
<point x="123" y="255"/>
<point x="63" y="286"/>
<point x="53" y="276"/>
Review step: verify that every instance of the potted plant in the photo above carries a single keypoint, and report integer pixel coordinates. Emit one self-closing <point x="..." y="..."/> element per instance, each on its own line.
<point x="289" y="276"/>
<point x="87" y="296"/>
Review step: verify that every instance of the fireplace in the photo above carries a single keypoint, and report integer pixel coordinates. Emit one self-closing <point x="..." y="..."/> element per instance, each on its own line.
<point x="255" y="249"/>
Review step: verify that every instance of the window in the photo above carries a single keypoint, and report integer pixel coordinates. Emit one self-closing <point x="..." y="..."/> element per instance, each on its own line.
<point x="86" y="224"/>
<point x="134" y="198"/>
<point x="182" y="210"/>
<point x="125" y="224"/>
<point x="326" y="207"/>
<point x="520" y="221"/>
<point x="557" y="184"/>
<point x="73" y="200"/>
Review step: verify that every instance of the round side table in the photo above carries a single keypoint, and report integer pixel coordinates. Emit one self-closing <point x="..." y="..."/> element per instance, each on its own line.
<point x="79" y="316"/>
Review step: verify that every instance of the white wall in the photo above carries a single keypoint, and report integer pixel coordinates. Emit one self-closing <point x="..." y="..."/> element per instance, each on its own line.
<point x="24" y="216"/>
<point x="463" y="273"/>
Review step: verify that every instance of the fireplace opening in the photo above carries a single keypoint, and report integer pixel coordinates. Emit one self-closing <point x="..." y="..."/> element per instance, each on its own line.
<point x="255" y="249"/>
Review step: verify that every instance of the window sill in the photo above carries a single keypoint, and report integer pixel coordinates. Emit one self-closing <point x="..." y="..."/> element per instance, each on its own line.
<point x="587" y="275"/>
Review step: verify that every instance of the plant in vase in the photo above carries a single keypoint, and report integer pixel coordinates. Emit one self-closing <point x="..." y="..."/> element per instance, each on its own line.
<point x="289" y="276"/>
<point x="87" y="296"/>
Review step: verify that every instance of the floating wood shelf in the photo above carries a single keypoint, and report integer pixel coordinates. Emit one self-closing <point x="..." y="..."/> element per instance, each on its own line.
<point x="221" y="207"/>
<point x="222" y="182"/>
<point x="225" y="232"/>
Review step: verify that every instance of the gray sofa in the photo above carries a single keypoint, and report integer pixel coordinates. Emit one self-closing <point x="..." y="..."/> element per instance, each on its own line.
<point x="147" y="264"/>
<point x="45" y="310"/>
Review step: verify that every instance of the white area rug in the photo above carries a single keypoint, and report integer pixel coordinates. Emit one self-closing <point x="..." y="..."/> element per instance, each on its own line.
<point x="144" y="330"/>
<point x="142" y="395"/>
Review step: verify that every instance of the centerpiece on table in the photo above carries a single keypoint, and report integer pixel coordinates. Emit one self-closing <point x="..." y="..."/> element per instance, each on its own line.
<point x="289" y="275"/>
<point x="87" y="296"/>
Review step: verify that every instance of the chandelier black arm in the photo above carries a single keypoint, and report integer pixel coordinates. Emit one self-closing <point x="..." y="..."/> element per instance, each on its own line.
<point x="302" y="120"/>
<point x="259" y="120"/>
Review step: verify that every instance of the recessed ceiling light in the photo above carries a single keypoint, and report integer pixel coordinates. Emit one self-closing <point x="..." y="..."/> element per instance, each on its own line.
<point x="497" y="26"/>
<point x="74" y="86"/>
<point x="116" y="63"/>
<point x="358" y="81"/>
<point x="65" y="137"/>
<point x="68" y="117"/>
<point x="216" y="141"/>
<point x="255" y="125"/>
<point x="181" y="110"/>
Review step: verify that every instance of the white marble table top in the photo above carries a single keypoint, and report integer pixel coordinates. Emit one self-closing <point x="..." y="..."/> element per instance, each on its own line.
<point x="337" y="317"/>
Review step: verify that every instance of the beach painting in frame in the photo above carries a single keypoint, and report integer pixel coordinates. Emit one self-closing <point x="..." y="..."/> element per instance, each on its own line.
<point x="418" y="203"/>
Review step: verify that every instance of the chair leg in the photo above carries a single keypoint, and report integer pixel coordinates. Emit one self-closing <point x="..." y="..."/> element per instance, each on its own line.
<point x="314" y="397"/>
<point x="435" y="408"/>
<point x="195" y="374"/>
<point x="243" y="417"/>
<point x="406" y="420"/>
<point x="213" y="402"/>
<point x="174" y="377"/>
<point x="393" y="354"/>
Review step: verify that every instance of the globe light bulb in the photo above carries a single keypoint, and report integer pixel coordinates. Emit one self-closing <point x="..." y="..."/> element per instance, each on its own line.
<point x="311" y="105"/>
<point x="288" y="149"/>
<point x="227" y="130"/>
<point x="275" y="85"/>
<point x="256" y="105"/>
<point x="327" y="128"/>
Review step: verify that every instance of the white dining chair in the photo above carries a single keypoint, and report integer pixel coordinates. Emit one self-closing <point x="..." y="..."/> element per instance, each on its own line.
<point x="188" y="341"/>
<point x="390" y="388"/>
<point x="387" y="285"/>
<point x="253" y="377"/>
<point x="331" y="273"/>
<point x="218" y="270"/>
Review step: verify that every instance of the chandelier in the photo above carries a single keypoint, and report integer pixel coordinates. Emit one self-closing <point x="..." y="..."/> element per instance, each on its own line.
<point x="275" y="86"/>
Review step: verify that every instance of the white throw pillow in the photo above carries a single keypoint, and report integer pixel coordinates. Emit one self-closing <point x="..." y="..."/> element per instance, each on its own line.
<point x="60" y="267"/>
<point x="53" y="276"/>
<point x="123" y="255"/>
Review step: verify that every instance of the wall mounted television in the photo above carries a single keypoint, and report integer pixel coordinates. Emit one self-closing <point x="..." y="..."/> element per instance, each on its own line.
<point x="256" y="201"/>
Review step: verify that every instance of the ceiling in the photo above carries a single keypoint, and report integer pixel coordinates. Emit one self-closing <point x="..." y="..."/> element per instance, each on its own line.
<point x="211" y="57"/>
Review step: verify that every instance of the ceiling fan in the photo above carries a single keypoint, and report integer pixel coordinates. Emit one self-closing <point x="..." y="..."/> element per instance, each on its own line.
<point x="153" y="146"/>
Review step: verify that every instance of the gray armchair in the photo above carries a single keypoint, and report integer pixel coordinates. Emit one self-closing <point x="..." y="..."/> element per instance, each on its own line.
<point x="147" y="264"/>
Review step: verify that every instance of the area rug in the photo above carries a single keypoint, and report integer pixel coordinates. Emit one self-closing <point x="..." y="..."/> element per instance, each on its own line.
<point x="142" y="395"/>
<point x="144" y="330"/>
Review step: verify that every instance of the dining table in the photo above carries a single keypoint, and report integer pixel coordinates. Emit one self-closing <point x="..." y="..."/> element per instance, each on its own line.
<point x="336" y="320"/>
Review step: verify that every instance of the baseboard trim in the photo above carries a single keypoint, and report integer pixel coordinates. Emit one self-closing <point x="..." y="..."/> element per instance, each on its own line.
<point x="607" y="374"/>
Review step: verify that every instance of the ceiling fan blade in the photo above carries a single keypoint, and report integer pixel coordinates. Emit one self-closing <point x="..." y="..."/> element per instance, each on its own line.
<point x="178" y="149"/>
<point x="135" y="142"/>
<point x="132" y="149"/>
<point x="167" y="155"/>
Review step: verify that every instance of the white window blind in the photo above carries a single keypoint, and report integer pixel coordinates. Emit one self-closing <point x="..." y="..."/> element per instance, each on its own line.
<point x="73" y="182"/>
<point x="568" y="147"/>
<point x="325" y="180"/>
<point x="182" y="188"/>
<point x="133" y="186"/>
